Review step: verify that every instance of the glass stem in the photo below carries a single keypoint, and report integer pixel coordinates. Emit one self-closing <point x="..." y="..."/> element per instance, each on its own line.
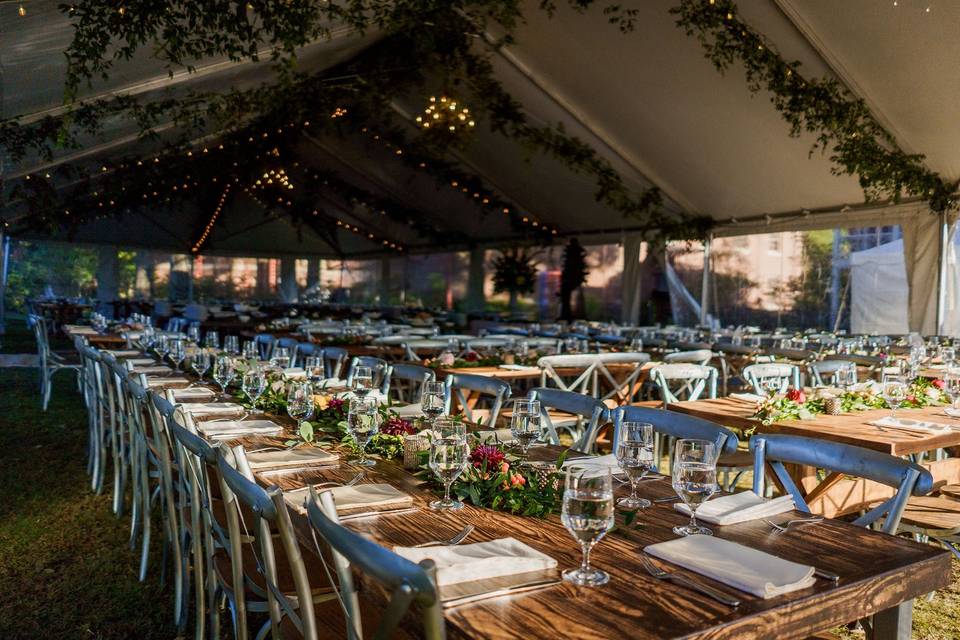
<point x="693" y="519"/>
<point x="446" y="493"/>
<point x="585" y="562"/>
<point x="633" y="488"/>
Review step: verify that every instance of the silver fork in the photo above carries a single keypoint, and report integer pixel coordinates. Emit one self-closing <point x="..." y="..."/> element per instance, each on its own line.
<point x="781" y="528"/>
<point x="661" y="574"/>
<point x="455" y="540"/>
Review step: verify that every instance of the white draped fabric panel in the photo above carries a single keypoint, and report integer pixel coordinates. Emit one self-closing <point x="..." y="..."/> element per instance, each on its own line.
<point x="878" y="290"/>
<point x="921" y="256"/>
<point x="632" y="244"/>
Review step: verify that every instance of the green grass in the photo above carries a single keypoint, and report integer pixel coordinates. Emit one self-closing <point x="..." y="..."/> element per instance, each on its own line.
<point x="66" y="567"/>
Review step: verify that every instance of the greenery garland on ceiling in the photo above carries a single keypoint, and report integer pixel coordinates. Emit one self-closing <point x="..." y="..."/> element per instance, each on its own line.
<point x="184" y="32"/>
<point x="857" y="143"/>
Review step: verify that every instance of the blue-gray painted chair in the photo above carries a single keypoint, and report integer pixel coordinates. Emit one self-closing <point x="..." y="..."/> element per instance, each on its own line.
<point x="418" y="349"/>
<point x="265" y="343"/>
<point x="379" y="367"/>
<point x="306" y="350"/>
<point x="93" y="396"/>
<point x="771" y="451"/>
<point x="406" y="381"/>
<point x="50" y="362"/>
<point x="408" y="584"/>
<point x="824" y="372"/>
<point x="684" y="382"/>
<point x="579" y="415"/>
<point x="776" y="376"/>
<point x="333" y="359"/>
<point x="695" y="356"/>
<point x="461" y="386"/>
<point x="177" y="325"/>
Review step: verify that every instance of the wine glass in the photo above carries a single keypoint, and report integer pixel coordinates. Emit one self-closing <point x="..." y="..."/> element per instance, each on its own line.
<point x="525" y="423"/>
<point x="177" y="353"/>
<point x="212" y="339"/>
<point x="254" y="383"/>
<point x="362" y="380"/>
<point x="918" y="354"/>
<point x="363" y="422"/>
<point x="947" y="356"/>
<point x="449" y="455"/>
<point x="694" y="479"/>
<point x="894" y="392"/>
<point x="200" y="362"/>
<point x="636" y="345"/>
<point x="223" y="372"/>
<point x="300" y="402"/>
<point x="951" y="386"/>
<point x="280" y="358"/>
<point x="193" y="332"/>
<point x="847" y="376"/>
<point x="250" y="352"/>
<point x="433" y="399"/>
<point x="588" y="515"/>
<point x="162" y="346"/>
<point x="520" y="350"/>
<point x="635" y="457"/>
<point x="769" y="385"/>
<point x="313" y="366"/>
<point x="231" y="344"/>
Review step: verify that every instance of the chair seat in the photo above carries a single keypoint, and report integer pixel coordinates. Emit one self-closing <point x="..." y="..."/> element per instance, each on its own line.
<point x="314" y="565"/>
<point x="932" y="514"/>
<point x="740" y="458"/>
<point x="332" y="623"/>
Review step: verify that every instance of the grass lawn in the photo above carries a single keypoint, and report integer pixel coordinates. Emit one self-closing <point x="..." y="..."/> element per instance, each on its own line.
<point x="66" y="568"/>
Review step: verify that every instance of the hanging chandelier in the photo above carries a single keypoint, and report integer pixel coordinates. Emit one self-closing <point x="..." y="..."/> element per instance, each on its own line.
<point x="445" y="114"/>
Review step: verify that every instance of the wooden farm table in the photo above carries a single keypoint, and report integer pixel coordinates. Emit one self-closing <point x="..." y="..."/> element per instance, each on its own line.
<point x="107" y="340"/>
<point x="838" y="494"/>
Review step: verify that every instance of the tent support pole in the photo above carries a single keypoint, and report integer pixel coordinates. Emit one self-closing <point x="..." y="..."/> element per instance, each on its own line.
<point x="4" y="271"/>
<point x="705" y="287"/>
<point x="942" y="271"/>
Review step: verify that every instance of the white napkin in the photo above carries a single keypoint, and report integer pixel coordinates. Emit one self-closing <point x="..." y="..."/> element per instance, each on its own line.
<point x="505" y="435"/>
<point x="350" y="395"/>
<point x="333" y="383"/>
<point x="212" y="408"/>
<point x="192" y="393"/>
<point x="907" y="423"/>
<point x="294" y="373"/>
<point x="143" y="362"/>
<point x="738" y="507"/>
<point x="234" y="429"/>
<point x="358" y="496"/>
<point x="290" y="458"/>
<point x="519" y="367"/>
<point x="153" y="370"/>
<point x="81" y="331"/>
<point x="953" y="413"/>
<point x="747" y="397"/>
<point x="162" y="382"/>
<point x="480" y="561"/>
<point x="123" y="353"/>
<point x="594" y="465"/>
<point x="733" y="564"/>
<point x="408" y="410"/>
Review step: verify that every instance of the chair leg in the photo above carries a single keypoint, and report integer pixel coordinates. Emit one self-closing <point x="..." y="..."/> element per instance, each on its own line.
<point x="145" y="519"/>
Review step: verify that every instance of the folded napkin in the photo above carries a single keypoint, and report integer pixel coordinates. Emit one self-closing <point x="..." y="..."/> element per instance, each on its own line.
<point x="333" y="383"/>
<point x="290" y="458"/>
<point x="81" y="331"/>
<point x="143" y="362"/>
<point x="504" y="435"/>
<point x="414" y="410"/>
<point x="739" y="507"/>
<point x="234" y="429"/>
<point x="480" y="561"/>
<point x="123" y="353"/>
<point x="212" y="408"/>
<point x="192" y="393"/>
<point x="953" y="413"/>
<point x="519" y="367"/>
<point x="595" y="464"/>
<point x="735" y="565"/>
<point x="907" y="423"/>
<point x="152" y="370"/>
<point x="294" y="373"/>
<point x="350" y="395"/>
<point x="166" y="382"/>
<point x="747" y="397"/>
<point x="373" y="497"/>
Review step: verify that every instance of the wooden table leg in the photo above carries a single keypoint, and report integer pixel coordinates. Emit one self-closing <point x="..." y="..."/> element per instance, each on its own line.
<point x="894" y="623"/>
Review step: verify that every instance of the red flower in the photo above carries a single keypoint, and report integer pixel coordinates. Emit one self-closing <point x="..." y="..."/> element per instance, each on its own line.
<point x="471" y="356"/>
<point x="489" y="454"/>
<point x="938" y="383"/>
<point x="397" y="426"/>
<point x="336" y="404"/>
<point x="796" y="395"/>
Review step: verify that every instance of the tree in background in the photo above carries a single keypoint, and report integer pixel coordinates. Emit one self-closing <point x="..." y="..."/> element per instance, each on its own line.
<point x="514" y="273"/>
<point x="573" y="275"/>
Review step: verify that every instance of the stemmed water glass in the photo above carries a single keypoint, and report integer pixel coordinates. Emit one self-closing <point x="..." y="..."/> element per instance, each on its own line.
<point x="894" y="392"/>
<point x="635" y="457"/>
<point x="314" y="369"/>
<point x="162" y="346"/>
<point x="250" y="352"/>
<point x="525" y="423"/>
<point x="212" y="340"/>
<point x="280" y="358"/>
<point x="231" y="344"/>
<point x="200" y="362"/>
<point x="951" y="386"/>
<point x="918" y="354"/>
<point x="432" y="399"/>
<point x="193" y="332"/>
<point x="449" y="454"/>
<point x="588" y="515"/>
<point x="300" y="402"/>
<point x="254" y="383"/>
<point x="947" y="356"/>
<point x="223" y="372"/>
<point x="362" y="380"/>
<point x="177" y="352"/>
<point x="363" y="422"/>
<point x="694" y="479"/>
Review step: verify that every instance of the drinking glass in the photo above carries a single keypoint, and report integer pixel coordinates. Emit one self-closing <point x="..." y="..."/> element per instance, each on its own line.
<point x="231" y="344"/>
<point x="223" y="372"/>
<point x="280" y="358"/>
<point x="525" y="423"/>
<point x="894" y="392"/>
<point x="635" y="457"/>
<point x="770" y="385"/>
<point x="918" y="354"/>
<point x="200" y="362"/>
<point x="193" y="332"/>
<point x="162" y="346"/>
<point x="250" y="352"/>
<point x="212" y="339"/>
<point x="952" y="388"/>
<point x="432" y="399"/>
<point x="947" y="356"/>
<point x="300" y="402"/>
<point x="363" y="422"/>
<point x="362" y="380"/>
<point x="588" y="515"/>
<point x="636" y="345"/>
<point x="313" y="366"/>
<point x="254" y="383"/>
<point x="521" y="349"/>
<point x="449" y="455"/>
<point x="177" y="353"/>
<point x="694" y="479"/>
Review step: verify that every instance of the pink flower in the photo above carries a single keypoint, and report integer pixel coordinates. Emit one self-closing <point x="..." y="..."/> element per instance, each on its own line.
<point x="796" y="395"/>
<point x="489" y="454"/>
<point x="938" y="383"/>
<point x="446" y="359"/>
<point x="517" y="480"/>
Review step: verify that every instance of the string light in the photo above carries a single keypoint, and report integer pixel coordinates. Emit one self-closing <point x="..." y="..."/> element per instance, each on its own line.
<point x="22" y="11"/>
<point x="444" y="114"/>
<point x="212" y="221"/>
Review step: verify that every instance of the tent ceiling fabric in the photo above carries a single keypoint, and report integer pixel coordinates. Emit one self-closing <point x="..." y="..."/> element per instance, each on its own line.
<point x="648" y="101"/>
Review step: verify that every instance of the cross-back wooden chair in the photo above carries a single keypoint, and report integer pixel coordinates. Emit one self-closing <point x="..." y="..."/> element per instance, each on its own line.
<point x="406" y="381"/>
<point x="825" y="372"/>
<point x="469" y="389"/>
<point x="680" y="382"/>
<point x="780" y="375"/>
<point x="379" y="367"/>
<point x="579" y="415"/>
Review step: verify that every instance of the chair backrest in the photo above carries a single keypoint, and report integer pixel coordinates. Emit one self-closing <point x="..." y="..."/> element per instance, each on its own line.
<point x="677" y="425"/>
<point x="391" y="341"/>
<point x="265" y="343"/>
<point x="406" y="381"/>
<point x="486" y="343"/>
<point x="591" y="413"/>
<point x="415" y="348"/>
<point x="177" y="325"/>
<point x="378" y="366"/>
<point x="407" y="583"/>
<point x="697" y="356"/>
<point x="540" y="343"/>
<point x="333" y="359"/>
<point x="771" y="451"/>
<point x="825" y="372"/>
<point x="305" y="350"/>
<point x="781" y="374"/>
<point x="579" y="376"/>
<point x="457" y="384"/>
<point x="39" y="326"/>
<point x="619" y="373"/>
<point x="681" y="381"/>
